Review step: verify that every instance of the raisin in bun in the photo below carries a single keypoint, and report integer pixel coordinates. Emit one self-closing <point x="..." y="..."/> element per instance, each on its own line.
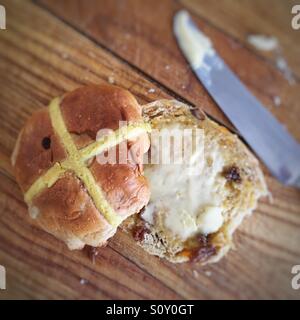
<point x="71" y="194"/>
<point x="192" y="215"/>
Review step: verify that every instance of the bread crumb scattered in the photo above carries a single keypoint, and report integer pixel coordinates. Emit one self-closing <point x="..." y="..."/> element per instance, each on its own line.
<point x="285" y="69"/>
<point x="92" y="253"/>
<point x="263" y="42"/>
<point x="277" y="101"/>
<point x="111" y="79"/>
<point x="33" y="212"/>
<point x="195" y="273"/>
<point x="83" y="281"/>
<point x="207" y="273"/>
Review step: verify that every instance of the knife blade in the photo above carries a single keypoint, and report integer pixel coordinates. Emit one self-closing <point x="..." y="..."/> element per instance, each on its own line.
<point x="268" y="138"/>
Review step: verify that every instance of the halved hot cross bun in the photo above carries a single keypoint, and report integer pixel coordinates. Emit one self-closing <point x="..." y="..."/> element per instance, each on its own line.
<point x="195" y="206"/>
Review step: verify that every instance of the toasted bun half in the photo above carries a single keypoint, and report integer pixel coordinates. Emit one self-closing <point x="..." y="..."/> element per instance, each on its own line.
<point x="69" y="192"/>
<point x="192" y="215"/>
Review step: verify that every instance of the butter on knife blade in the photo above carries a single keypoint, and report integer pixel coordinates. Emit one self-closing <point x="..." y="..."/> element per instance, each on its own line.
<point x="195" y="45"/>
<point x="267" y="137"/>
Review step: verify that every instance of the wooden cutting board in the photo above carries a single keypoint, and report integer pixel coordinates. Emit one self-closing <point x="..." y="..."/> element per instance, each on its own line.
<point x="51" y="47"/>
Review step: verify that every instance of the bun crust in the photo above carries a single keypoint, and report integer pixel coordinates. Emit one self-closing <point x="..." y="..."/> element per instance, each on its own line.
<point x="238" y="182"/>
<point x="102" y="107"/>
<point x="69" y="193"/>
<point x="67" y="211"/>
<point x="30" y="159"/>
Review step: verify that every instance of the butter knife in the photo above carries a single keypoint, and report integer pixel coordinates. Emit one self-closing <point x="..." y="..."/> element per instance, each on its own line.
<point x="266" y="136"/>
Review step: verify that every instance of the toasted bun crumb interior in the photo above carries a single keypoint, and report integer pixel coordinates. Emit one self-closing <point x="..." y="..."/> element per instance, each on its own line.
<point x="195" y="206"/>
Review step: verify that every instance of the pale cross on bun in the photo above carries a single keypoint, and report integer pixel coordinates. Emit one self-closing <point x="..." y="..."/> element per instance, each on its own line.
<point x="69" y="193"/>
<point x="193" y="217"/>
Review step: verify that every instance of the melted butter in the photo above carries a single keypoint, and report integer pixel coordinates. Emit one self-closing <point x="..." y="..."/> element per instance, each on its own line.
<point x="192" y="42"/>
<point x="190" y="204"/>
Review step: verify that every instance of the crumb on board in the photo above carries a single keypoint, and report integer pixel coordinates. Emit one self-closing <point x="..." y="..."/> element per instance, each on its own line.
<point x="283" y="66"/>
<point x="207" y="273"/>
<point x="277" y="101"/>
<point x="263" y="42"/>
<point x="195" y="273"/>
<point x="111" y="79"/>
<point x="83" y="281"/>
<point x="92" y="253"/>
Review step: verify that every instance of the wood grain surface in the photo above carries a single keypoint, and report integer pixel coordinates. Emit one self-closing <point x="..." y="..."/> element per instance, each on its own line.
<point x="50" y="47"/>
<point x="141" y="33"/>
